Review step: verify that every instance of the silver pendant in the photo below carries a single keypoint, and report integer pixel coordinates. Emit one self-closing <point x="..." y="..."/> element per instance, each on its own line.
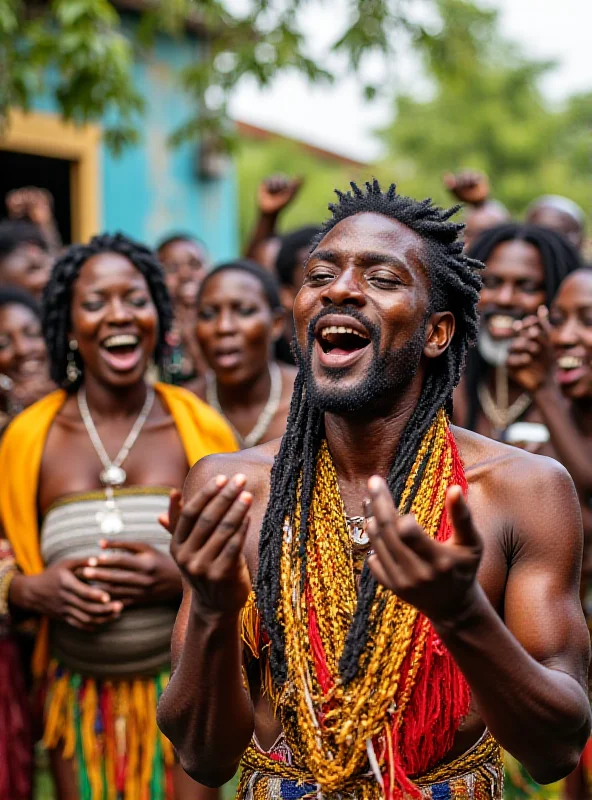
<point x="359" y="538"/>
<point x="357" y="531"/>
<point x="110" y="521"/>
<point x="113" y="476"/>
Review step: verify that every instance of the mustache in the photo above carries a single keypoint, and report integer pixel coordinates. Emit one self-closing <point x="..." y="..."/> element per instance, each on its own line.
<point x="349" y="311"/>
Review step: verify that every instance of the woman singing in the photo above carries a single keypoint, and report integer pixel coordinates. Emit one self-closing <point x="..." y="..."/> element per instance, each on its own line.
<point x="86" y="472"/>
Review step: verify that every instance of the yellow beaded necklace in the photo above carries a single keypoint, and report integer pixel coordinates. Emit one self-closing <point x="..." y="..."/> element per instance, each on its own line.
<point x="340" y="732"/>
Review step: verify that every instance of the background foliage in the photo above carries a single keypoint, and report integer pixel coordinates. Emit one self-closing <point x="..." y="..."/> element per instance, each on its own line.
<point x="89" y="56"/>
<point x="483" y="109"/>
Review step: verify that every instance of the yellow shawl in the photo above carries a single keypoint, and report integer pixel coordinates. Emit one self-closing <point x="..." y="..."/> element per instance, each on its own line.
<point x="202" y="432"/>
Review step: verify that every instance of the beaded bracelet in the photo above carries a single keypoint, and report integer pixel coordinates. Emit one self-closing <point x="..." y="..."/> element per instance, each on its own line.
<point x="8" y="570"/>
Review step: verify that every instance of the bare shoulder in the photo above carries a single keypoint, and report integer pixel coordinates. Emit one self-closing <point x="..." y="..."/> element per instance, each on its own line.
<point x="255" y="463"/>
<point x="528" y="492"/>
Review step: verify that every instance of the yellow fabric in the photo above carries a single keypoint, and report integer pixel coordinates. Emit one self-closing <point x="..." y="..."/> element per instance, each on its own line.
<point x="202" y="432"/>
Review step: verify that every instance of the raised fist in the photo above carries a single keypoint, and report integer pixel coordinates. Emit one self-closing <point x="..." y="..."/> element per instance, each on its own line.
<point x="468" y="186"/>
<point x="277" y="192"/>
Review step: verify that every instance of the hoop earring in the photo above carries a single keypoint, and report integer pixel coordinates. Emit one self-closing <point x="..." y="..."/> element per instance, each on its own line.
<point x="72" y="369"/>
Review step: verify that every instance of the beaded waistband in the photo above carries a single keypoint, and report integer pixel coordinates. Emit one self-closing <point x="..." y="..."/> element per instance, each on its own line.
<point x="478" y="773"/>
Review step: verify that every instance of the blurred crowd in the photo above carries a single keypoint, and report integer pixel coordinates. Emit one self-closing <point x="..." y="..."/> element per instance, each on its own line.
<point x="132" y="362"/>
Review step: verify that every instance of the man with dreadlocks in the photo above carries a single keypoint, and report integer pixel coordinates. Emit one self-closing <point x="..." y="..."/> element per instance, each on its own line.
<point x="524" y="266"/>
<point x="390" y="654"/>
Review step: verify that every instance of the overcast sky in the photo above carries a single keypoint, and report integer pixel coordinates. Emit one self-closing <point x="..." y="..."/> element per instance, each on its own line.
<point x="336" y="117"/>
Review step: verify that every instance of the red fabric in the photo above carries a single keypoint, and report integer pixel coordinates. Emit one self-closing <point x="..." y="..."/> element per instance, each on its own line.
<point x="16" y="741"/>
<point x="316" y="645"/>
<point x="439" y="699"/>
<point x="441" y="696"/>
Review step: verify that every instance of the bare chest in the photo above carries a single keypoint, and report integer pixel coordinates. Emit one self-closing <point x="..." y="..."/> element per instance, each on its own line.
<point x="70" y="464"/>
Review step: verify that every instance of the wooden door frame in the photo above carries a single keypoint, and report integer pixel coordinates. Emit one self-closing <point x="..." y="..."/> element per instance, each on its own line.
<point x="49" y="135"/>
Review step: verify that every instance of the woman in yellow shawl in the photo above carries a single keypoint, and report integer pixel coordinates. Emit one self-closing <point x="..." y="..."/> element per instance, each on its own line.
<point x="86" y="473"/>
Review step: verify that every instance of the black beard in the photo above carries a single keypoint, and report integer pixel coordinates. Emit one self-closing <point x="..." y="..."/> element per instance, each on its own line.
<point x="389" y="375"/>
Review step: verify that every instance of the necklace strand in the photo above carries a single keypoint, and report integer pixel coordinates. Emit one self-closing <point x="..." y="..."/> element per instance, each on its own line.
<point x="501" y="420"/>
<point x="265" y="417"/>
<point x="115" y="464"/>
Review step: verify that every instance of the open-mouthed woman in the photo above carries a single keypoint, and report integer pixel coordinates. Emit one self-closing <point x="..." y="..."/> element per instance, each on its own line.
<point x="239" y="319"/>
<point x="86" y="473"/>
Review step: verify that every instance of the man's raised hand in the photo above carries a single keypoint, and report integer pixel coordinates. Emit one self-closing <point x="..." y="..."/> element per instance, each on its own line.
<point x="438" y="578"/>
<point x="208" y="542"/>
<point x="276" y="193"/>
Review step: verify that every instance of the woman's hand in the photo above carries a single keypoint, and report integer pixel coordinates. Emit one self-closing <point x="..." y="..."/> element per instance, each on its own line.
<point x="58" y="594"/>
<point x="138" y="575"/>
<point x="438" y="578"/>
<point x="209" y="535"/>
<point x="530" y="359"/>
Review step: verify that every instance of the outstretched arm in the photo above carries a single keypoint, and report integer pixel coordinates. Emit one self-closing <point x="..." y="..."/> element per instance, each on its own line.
<point x="527" y="675"/>
<point x="206" y="710"/>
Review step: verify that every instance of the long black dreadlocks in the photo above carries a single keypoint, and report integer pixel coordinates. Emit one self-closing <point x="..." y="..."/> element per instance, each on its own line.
<point x="559" y="257"/>
<point x="57" y="297"/>
<point x="455" y="285"/>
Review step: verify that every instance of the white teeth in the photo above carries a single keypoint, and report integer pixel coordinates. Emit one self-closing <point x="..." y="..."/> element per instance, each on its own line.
<point x="332" y="329"/>
<point x="121" y="340"/>
<point x="569" y="362"/>
<point x="501" y="321"/>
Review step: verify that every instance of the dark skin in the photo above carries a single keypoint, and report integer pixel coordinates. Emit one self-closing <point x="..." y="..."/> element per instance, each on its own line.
<point x="23" y="357"/>
<point x="502" y="592"/>
<point x="547" y="216"/>
<point x="563" y="397"/>
<point x="472" y="188"/>
<point x="27" y="266"/>
<point x="185" y="262"/>
<point x="36" y="205"/>
<point x="236" y="329"/>
<point x="513" y="288"/>
<point x="110" y="296"/>
<point x="274" y="195"/>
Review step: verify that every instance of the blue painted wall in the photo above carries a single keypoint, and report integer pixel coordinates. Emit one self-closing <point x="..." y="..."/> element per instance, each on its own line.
<point x="151" y="189"/>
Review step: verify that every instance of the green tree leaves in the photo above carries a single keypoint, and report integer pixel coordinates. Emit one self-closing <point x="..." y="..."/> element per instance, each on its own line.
<point x="78" y="51"/>
<point x="487" y="112"/>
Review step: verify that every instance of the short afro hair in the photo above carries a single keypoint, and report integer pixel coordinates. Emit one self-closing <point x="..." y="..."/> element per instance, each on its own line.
<point x="15" y="296"/>
<point x="16" y="232"/>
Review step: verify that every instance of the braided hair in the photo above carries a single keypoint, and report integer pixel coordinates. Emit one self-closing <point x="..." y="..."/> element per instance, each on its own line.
<point x="57" y="297"/>
<point x="559" y="258"/>
<point x="455" y="285"/>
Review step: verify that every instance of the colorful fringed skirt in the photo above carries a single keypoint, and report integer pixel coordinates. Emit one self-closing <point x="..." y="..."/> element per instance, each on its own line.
<point x="108" y="728"/>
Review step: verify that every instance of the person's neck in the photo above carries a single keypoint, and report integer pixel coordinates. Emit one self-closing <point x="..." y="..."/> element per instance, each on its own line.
<point x="107" y="401"/>
<point x="582" y="413"/>
<point x="362" y="445"/>
<point x="252" y="393"/>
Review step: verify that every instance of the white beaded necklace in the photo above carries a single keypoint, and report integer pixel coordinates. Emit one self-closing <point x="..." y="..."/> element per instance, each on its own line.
<point x="267" y="414"/>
